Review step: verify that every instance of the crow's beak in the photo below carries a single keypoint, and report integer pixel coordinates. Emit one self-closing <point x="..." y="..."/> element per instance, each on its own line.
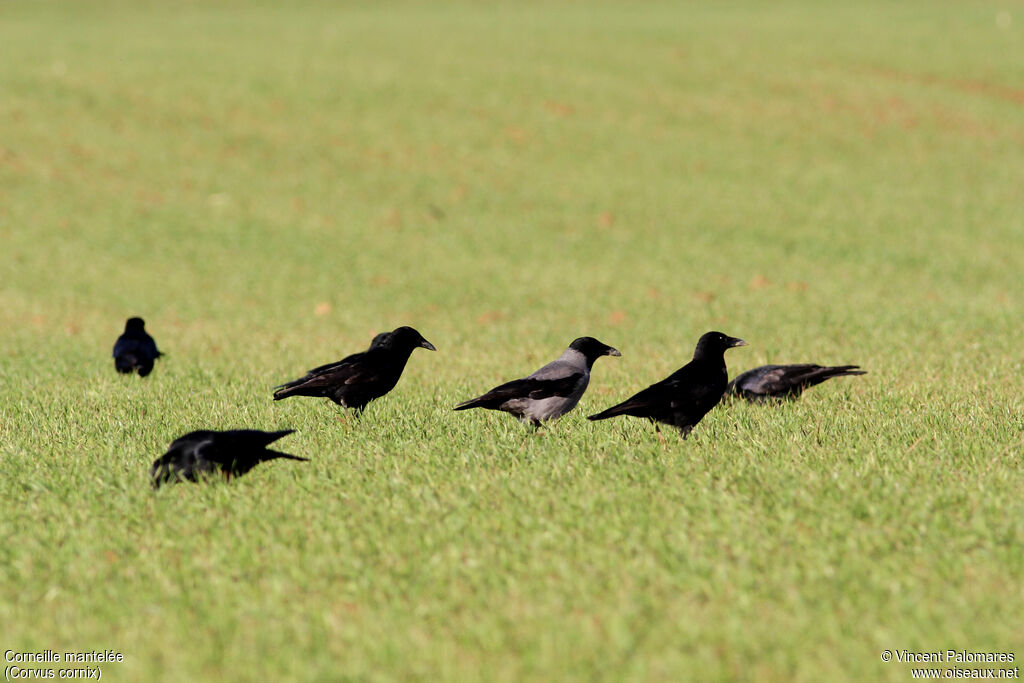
<point x="733" y="341"/>
<point x="427" y="345"/>
<point x="612" y="352"/>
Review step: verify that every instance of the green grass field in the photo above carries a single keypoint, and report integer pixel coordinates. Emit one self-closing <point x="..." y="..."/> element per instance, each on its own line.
<point x="270" y="186"/>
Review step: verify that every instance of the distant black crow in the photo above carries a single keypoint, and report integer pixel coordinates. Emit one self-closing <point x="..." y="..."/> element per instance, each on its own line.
<point x="360" y="378"/>
<point x="231" y="453"/>
<point x="785" y="381"/>
<point x="135" y="349"/>
<point x="550" y="392"/>
<point x="683" y="398"/>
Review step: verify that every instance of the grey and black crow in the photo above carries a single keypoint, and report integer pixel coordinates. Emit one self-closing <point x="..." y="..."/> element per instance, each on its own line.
<point x="135" y="349"/>
<point x="683" y="398"/>
<point x="785" y="381"/>
<point x="550" y="392"/>
<point x="362" y="377"/>
<point x="204" y="453"/>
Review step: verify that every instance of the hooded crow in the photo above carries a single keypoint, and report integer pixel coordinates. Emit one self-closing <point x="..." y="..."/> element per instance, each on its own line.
<point x="550" y="392"/>
<point x="135" y="349"/>
<point x="360" y="378"/>
<point x="204" y="453"/>
<point x="683" y="398"/>
<point x="785" y="381"/>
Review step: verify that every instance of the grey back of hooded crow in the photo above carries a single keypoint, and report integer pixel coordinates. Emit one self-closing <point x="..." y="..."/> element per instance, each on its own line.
<point x="362" y="377"/>
<point x="135" y="350"/>
<point x="550" y="392"/>
<point x="204" y="453"/>
<point x="683" y="398"/>
<point x="785" y="381"/>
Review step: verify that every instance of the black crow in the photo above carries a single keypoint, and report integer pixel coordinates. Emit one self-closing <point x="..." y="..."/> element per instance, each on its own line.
<point x="360" y="378"/>
<point x="785" y="381"/>
<point x="204" y="453"/>
<point x="135" y="349"/>
<point x="685" y="396"/>
<point x="550" y="392"/>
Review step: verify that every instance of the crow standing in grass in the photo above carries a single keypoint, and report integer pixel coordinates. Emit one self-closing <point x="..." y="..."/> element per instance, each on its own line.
<point x="785" y="381"/>
<point x="685" y="396"/>
<point x="135" y="349"/>
<point x="550" y="392"/>
<point x="204" y="453"/>
<point x="360" y="378"/>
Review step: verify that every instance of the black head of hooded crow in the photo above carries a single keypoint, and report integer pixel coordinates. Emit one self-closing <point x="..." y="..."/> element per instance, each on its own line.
<point x="785" y="381"/>
<point x="204" y="453"/>
<point x="135" y="350"/>
<point x="683" y="398"/>
<point x="551" y="391"/>
<point x="362" y="377"/>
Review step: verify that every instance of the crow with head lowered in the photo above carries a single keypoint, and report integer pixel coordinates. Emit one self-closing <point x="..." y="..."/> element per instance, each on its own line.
<point x="551" y="391"/>
<point x="135" y="350"/>
<point x="207" y="453"/>
<point x="362" y="377"/>
<point x="780" y="382"/>
<point x="683" y="398"/>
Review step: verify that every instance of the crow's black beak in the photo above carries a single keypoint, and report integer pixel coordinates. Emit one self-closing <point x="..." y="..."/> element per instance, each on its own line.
<point x="427" y="345"/>
<point x="733" y="341"/>
<point x="612" y="352"/>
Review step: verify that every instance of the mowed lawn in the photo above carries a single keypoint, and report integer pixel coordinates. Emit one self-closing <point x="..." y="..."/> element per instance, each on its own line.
<point x="270" y="186"/>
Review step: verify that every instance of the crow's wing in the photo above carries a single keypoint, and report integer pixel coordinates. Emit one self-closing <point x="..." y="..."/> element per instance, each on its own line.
<point x="691" y="385"/>
<point x="528" y="388"/>
<point x="320" y="369"/>
<point x="769" y="380"/>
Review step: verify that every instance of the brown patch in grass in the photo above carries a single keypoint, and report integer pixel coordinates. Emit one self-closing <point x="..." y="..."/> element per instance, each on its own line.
<point x="964" y="85"/>
<point x="617" y="317"/>
<point x="560" y="108"/>
<point x="759" y="282"/>
<point x="516" y="134"/>
<point x="147" y="196"/>
<point x="489" y="317"/>
<point x="878" y="112"/>
<point x="392" y="218"/>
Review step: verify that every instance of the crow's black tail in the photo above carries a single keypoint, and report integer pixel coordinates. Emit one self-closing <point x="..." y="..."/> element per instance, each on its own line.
<point x="285" y="390"/>
<point x="477" y="402"/>
<point x="822" y="374"/>
<point x="614" y="411"/>
<point x="274" y="455"/>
